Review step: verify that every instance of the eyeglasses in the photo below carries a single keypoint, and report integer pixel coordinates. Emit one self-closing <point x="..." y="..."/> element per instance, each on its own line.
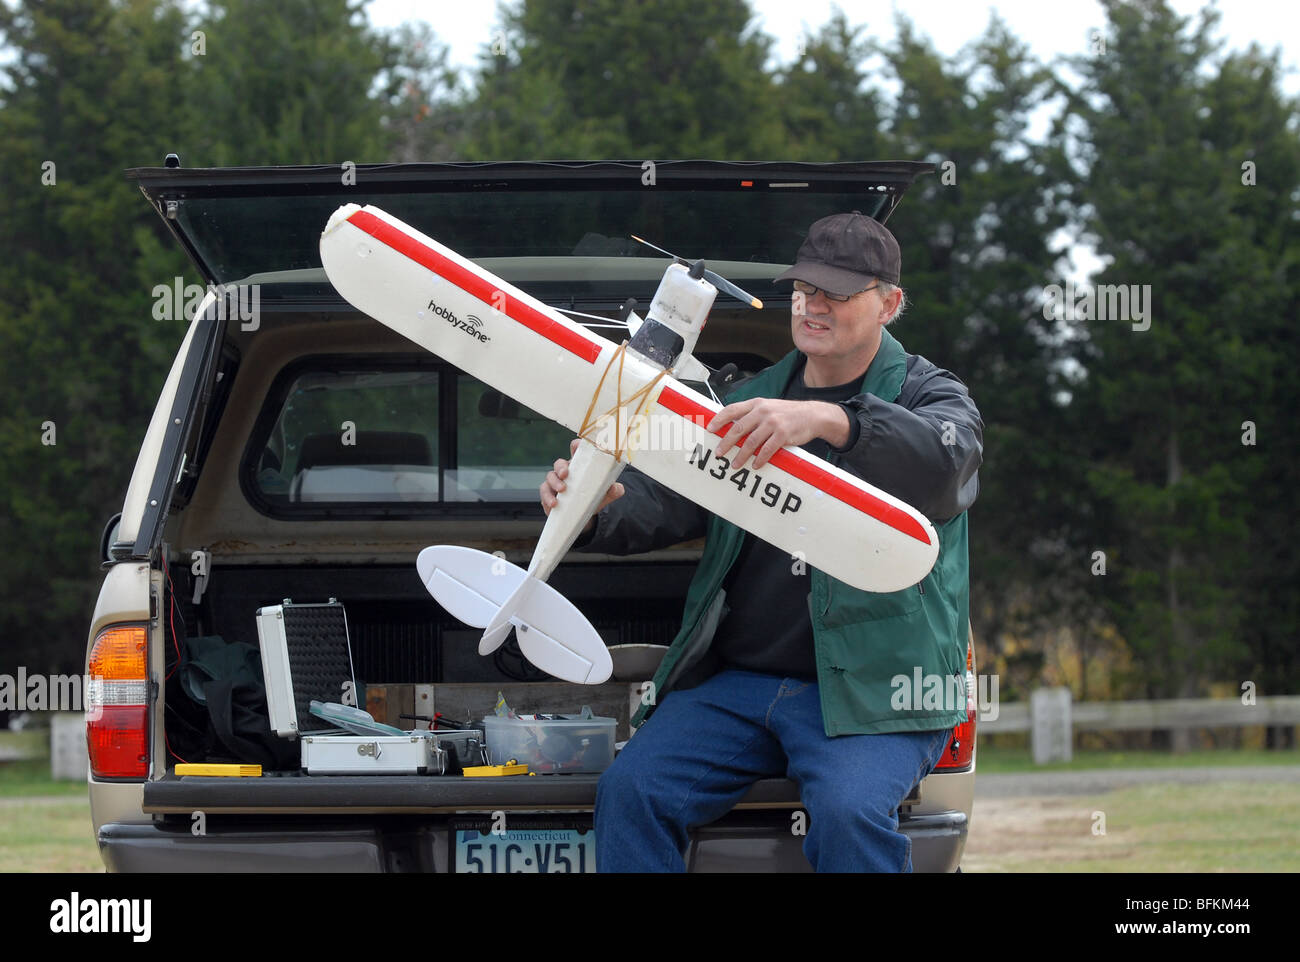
<point x="808" y="290"/>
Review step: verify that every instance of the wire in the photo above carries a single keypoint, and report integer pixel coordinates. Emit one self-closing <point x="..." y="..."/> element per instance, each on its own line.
<point x="602" y="321"/>
<point x="170" y="749"/>
<point x="171" y="617"/>
<point x="510" y="661"/>
<point x="178" y="718"/>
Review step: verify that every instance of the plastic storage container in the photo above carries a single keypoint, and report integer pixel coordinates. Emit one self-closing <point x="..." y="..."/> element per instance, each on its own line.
<point x="568" y="745"/>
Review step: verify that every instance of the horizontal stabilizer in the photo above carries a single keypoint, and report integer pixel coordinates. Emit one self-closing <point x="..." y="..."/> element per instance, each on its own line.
<point x="486" y="591"/>
<point x="472" y="585"/>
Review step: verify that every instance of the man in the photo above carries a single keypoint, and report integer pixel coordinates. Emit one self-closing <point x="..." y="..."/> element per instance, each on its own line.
<point x="778" y="669"/>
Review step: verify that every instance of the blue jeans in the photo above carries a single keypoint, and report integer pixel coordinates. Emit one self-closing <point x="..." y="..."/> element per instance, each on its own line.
<point x="702" y="748"/>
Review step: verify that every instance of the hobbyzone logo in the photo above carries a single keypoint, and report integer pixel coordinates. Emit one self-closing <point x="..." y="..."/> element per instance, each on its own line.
<point x="470" y="325"/>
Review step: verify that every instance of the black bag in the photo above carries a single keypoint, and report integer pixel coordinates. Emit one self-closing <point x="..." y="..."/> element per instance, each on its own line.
<point x="226" y="681"/>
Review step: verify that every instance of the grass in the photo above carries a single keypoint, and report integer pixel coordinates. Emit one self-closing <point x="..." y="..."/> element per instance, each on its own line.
<point x="998" y="760"/>
<point x="26" y="744"/>
<point x="25" y="766"/>
<point x="1226" y="827"/>
<point x="44" y="824"/>
<point x="31" y="776"/>
<point x="42" y="834"/>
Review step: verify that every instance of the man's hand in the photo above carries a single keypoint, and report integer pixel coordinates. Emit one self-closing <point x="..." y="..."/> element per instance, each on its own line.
<point x="550" y="488"/>
<point x="763" y="426"/>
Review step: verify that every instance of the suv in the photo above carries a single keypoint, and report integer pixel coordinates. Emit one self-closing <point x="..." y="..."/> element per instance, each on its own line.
<point x="240" y="499"/>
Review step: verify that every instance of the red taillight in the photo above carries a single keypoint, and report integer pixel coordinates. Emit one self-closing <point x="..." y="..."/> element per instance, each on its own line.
<point x="118" y="742"/>
<point x="961" y="746"/>
<point x="117" y="703"/>
<point x="959" y="751"/>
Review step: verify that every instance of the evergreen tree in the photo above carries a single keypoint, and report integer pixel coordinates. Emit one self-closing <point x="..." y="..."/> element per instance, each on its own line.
<point x="1254" y="130"/>
<point x="831" y="110"/>
<point x="94" y="87"/>
<point x="291" y="82"/>
<point x="977" y="254"/>
<point x="1164" y="145"/>
<point x="626" y="79"/>
<point x="91" y="89"/>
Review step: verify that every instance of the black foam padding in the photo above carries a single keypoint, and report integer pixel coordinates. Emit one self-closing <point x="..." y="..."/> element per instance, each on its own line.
<point x="316" y="638"/>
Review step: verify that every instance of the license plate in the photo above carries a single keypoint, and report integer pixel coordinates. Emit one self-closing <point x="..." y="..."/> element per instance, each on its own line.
<point x="525" y="850"/>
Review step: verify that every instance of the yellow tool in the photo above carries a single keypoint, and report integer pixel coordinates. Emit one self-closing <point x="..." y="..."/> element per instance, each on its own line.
<point x="231" y="771"/>
<point x="512" y="767"/>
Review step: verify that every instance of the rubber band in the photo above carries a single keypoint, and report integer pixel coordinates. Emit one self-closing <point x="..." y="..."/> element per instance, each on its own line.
<point x="640" y="399"/>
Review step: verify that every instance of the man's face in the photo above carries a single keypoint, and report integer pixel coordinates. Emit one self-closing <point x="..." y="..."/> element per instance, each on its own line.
<point x="840" y="332"/>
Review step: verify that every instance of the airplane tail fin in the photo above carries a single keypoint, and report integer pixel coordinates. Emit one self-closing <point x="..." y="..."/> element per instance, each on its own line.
<point x="486" y="591"/>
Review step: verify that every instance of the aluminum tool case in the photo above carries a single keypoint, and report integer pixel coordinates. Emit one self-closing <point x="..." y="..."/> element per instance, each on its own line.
<point x="306" y="657"/>
<point x="347" y="754"/>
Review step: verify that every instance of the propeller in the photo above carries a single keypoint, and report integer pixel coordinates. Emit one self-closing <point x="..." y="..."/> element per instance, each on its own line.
<point x="717" y="280"/>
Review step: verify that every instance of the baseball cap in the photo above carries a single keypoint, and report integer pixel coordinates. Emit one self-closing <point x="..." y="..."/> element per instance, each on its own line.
<point x="843" y="252"/>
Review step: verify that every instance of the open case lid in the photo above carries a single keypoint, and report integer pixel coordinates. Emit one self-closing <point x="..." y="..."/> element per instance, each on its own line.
<point x="306" y="656"/>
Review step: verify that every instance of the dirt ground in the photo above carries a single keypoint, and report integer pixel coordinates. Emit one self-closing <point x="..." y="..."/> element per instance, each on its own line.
<point x="1007" y="834"/>
<point x="1242" y="820"/>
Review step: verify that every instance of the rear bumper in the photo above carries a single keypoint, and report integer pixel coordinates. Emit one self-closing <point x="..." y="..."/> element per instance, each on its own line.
<point x="174" y="848"/>
<point x="744" y="841"/>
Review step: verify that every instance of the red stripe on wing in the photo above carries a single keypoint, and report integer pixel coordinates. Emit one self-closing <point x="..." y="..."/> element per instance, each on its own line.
<point x="819" y="478"/>
<point x="475" y="284"/>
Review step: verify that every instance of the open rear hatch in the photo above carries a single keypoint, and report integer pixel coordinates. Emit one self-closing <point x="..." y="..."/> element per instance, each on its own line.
<point x="559" y="230"/>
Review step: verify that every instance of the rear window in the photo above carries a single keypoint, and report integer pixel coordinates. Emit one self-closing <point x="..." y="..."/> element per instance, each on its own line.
<point x="343" y="437"/>
<point x="573" y="237"/>
<point x="560" y="230"/>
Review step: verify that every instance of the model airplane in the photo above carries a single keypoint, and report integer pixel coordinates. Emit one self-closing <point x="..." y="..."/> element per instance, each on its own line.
<point x="627" y="407"/>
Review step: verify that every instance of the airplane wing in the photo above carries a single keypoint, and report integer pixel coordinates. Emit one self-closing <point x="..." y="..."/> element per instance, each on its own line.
<point x="467" y="316"/>
<point x="832" y="520"/>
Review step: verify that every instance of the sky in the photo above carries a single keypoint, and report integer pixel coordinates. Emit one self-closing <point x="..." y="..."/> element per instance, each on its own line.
<point x="1051" y="29"/>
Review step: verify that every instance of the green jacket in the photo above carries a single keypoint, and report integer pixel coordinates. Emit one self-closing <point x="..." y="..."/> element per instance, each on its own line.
<point x="885" y="662"/>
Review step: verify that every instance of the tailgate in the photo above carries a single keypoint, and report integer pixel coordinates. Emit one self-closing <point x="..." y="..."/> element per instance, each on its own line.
<point x="296" y="794"/>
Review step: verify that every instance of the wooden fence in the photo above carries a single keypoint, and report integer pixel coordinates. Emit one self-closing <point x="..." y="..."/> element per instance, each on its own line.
<point x="1051" y="718"/>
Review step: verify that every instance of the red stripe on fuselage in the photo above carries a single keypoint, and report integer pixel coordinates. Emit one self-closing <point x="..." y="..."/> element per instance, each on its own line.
<point x="819" y="478"/>
<point x="475" y="284"/>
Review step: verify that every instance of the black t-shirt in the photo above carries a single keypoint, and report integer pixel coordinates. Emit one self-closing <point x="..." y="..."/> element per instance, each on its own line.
<point x="768" y="628"/>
